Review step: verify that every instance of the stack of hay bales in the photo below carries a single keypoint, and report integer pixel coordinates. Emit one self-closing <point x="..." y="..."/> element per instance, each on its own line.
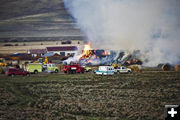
<point x="166" y="67"/>
<point x="177" y="67"/>
<point x="135" y="68"/>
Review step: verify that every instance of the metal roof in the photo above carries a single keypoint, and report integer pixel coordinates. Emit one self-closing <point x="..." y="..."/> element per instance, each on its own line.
<point x="63" y="48"/>
<point x="37" y="51"/>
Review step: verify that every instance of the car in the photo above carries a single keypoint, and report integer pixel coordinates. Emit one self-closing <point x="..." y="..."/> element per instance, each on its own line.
<point x="87" y="69"/>
<point x="16" y="71"/>
<point x="122" y="69"/>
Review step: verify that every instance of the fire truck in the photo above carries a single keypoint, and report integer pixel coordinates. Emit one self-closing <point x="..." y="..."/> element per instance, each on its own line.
<point x="73" y="68"/>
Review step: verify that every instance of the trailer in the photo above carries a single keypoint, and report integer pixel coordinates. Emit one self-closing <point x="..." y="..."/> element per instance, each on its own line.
<point x="105" y="70"/>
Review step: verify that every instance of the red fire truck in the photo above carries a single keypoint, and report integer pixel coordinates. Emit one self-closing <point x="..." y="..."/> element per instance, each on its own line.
<point x="73" y="68"/>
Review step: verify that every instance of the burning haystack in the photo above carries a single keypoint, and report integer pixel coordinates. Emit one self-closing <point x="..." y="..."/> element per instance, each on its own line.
<point x="91" y="56"/>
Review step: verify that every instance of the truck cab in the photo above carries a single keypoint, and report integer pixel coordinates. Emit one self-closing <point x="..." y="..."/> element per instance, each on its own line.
<point x="51" y="68"/>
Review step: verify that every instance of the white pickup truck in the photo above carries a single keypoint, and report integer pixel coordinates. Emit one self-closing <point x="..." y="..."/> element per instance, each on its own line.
<point x="122" y="69"/>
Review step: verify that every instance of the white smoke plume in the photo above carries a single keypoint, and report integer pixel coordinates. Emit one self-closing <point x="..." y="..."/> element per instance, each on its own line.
<point x="152" y="26"/>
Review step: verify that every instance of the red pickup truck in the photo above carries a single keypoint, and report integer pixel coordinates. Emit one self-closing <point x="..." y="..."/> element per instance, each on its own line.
<point x="16" y="71"/>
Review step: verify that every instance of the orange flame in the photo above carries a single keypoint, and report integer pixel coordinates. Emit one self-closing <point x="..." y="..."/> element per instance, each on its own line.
<point x="87" y="49"/>
<point x="89" y="54"/>
<point x="106" y="53"/>
<point x="86" y="52"/>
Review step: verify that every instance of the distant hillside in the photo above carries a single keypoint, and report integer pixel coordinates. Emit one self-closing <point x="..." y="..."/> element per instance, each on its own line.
<point x="32" y="39"/>
<point x="17" y="8"/>
<point x="35" y="18"/>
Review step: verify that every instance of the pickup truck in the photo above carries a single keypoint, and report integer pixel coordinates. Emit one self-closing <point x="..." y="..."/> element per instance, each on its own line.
<point x="122" y="69"/>
<point x="16" y="71"/>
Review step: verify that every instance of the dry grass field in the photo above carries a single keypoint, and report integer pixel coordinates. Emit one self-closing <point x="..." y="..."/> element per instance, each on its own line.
<point x="23" y="47"/>
<point x="88" y="96"/>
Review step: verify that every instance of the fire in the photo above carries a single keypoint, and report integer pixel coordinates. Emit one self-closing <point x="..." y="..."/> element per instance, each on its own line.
<point x="90" y="55"/>
<point x="106" y="53"/>
<point x="86" y="52"/>
<point x="87" y="49"/>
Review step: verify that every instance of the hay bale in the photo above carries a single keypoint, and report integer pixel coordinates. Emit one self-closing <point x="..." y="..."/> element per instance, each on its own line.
<point x="94" y="68"/>
<point x="135" y="68"/>
<point x="166" y="67"/>
<point x="177" y="67"/>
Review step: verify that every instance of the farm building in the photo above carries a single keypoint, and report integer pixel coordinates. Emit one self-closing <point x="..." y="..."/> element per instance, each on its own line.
<point x="37" y="52"/>
<point x="63" y="50"/>
<point x="20" y="58"/>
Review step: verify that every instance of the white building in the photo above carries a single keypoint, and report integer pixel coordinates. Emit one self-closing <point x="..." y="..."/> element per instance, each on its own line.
<point x="63" y="50"/>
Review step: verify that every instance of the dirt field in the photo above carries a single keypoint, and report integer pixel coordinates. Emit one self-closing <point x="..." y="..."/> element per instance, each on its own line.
<point x="88" y="96"/>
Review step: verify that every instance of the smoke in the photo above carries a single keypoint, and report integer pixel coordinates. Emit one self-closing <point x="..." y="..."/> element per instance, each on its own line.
<point x="151" y="26"/>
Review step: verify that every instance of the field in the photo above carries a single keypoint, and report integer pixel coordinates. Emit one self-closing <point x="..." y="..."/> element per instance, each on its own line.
<point x="88" y="96"/>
